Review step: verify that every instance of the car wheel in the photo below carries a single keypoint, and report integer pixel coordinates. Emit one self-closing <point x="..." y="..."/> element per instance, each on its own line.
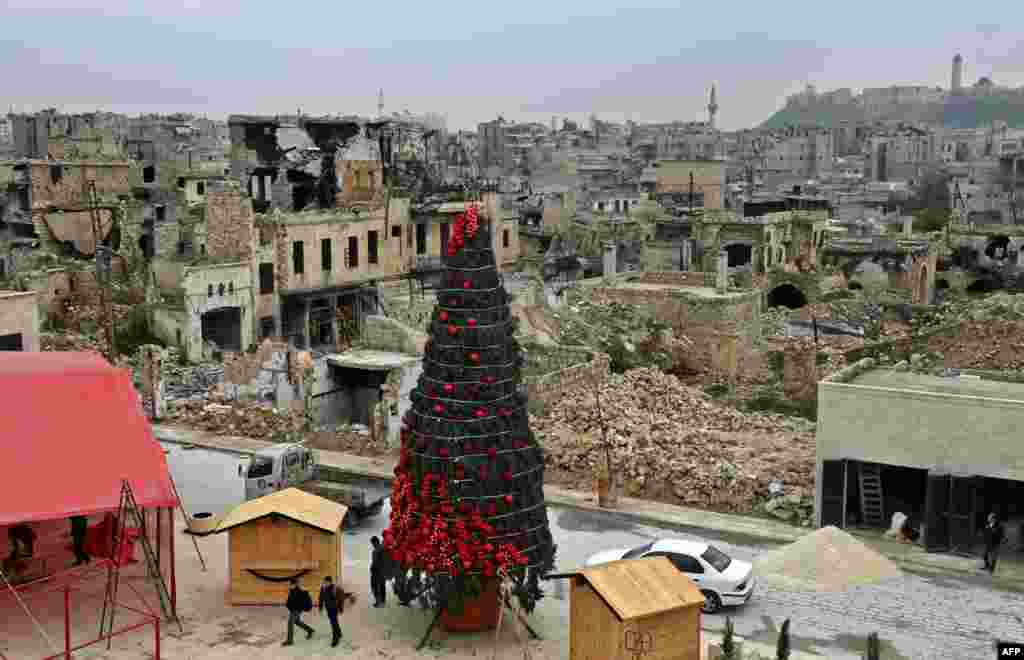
<point x="712" y="603"/>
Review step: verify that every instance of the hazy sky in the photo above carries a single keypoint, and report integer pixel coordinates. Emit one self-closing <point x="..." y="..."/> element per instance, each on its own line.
<point x="525" y="60"/>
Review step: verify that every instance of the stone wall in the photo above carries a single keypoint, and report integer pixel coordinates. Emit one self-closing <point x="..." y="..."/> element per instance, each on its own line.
<point x="62" y="185"/>
<point x="679" y="278"/>
<point x="230" y="232"/>
<point x="549" y="388"/>
<point x="800" y="373"/>
<point x="386" y="334"/>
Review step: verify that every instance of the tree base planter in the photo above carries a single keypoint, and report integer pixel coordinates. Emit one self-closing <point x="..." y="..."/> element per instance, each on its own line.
<point x="478" y="614"/>
<point x="607" y="496"/>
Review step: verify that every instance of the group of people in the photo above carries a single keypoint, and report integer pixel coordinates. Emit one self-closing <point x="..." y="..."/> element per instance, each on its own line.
<point x="332" y="597"/>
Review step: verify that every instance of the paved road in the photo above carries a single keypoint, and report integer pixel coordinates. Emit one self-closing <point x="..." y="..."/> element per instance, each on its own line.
<point x="918" y="618"/>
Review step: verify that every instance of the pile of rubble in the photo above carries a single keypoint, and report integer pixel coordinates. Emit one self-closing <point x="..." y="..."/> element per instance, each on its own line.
<point x="993" y="344"/>
<point x="248" y="419"/>
<point x="672" y="443"/>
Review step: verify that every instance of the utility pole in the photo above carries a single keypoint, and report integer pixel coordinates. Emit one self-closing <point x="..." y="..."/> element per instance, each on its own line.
<point x="104" y="257"/>
<point x="691" y="193"/>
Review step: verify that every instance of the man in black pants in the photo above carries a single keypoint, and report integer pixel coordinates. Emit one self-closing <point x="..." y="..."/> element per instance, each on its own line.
<point x="993" y="539"/>
<point x="299" y="601"/>
<point x="378" y="573"/>
<point x="79" y="526"/>
<point x="332" y="599"/>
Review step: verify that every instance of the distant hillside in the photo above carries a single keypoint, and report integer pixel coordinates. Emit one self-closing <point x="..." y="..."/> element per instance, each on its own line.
<point x="957" y="112"/>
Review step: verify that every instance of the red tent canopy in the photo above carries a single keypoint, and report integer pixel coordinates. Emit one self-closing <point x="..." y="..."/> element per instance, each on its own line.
<point x="71" y="429"/>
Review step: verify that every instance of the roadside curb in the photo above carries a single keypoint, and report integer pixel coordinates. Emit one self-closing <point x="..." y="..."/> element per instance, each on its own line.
<point x="564" y="498"/>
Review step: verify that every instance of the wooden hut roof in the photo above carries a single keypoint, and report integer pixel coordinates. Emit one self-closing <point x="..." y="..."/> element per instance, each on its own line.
<point x="637" y="588"/>
<point x="291" y="503"/>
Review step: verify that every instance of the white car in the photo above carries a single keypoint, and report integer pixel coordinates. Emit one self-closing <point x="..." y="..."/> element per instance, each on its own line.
<point x="722" y="579"/>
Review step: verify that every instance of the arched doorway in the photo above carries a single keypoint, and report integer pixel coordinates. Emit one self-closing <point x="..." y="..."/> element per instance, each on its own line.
<point x="786" y="295"/>
<point x="739" y="254"/>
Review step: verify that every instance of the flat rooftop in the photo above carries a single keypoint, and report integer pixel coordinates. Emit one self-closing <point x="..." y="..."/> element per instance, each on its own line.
<point x="698" y="291"/>
<point x="957" y="385"/>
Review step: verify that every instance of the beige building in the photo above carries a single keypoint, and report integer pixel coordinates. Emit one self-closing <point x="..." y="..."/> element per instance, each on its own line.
<point x="948" y="458"/>
<point x="19" y="321"/>
<point x="673" y="177"/>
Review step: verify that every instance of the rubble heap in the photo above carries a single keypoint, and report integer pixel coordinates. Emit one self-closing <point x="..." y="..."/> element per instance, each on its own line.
<point x="672" y="443"/>
<point x="248" y="419"/>
<point x="991" y="344"/>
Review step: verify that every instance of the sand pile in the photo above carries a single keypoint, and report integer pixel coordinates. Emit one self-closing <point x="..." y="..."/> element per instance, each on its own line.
<point x="828" y="560"/>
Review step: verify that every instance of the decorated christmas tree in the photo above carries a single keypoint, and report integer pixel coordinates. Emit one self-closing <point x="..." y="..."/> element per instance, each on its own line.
<point x="467" y="502"/>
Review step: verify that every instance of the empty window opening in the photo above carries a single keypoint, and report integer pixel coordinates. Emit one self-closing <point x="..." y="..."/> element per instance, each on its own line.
<point x="983" y="285"/>
<point x="325" y="254"/>
<point x="998" y="247"/>
<point x="209" y="291"/>
<point x="786" y="295"/>
<point x="504" y="238"/>
<point x="231" y="288"/>
<point x="371" y="247"/>
<point x="181" y="182"/>
<point x="200" y="188"/>
<point x="149" y="174"/>
<point x="56" y="173"/>
<point x="177" y="336"/>
<point x="298" y="258"/>
<point x="396" y="231"/>
<point x="941" y="283"/>
<point x="146" y="245"/>
<point x="220" y="289"/>
<point x="266" y="278"/>
<point x="421" y="238"/>
<point x="353" y="252"/>
<point x="161" y="213"/>
<point x="12" y="342"/>
<point x="739" y="254"/>
<point x="266" y="327"/>
<point x="855" y="286"/>
<point x="223" y="327"/>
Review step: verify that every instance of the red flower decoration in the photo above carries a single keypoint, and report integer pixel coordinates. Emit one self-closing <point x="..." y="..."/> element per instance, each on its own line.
<point x="448" y="388"/>
<point x="466" y="284"/>
<point x="439" y="409"/>
<point x="453" y="330"/>
<point x="480" y="412"/>
<point x="471" y="322"/>
<point x="443" y="316"/>
<point x="474" y="356"/>
<point x="508" y="500"/>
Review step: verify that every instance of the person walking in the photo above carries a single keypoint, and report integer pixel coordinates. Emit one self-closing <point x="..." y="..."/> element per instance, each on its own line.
<point x="79" y="527"/>
<point x="993" y="539"/>
<point x="299" y="601"/>
<point x="332" y="599"/>
<point x="378" y="573"/>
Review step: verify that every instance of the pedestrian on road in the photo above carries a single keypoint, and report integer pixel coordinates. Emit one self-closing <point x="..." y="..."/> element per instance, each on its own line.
<point x="299" y="601"/>
<point x="993" y="539"/>
<point x="378" y="573"/>
<point x="332" y="599"/>
<point x="79" y="527"/>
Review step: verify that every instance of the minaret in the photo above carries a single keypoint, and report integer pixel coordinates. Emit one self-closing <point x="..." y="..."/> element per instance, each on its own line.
<point x="712" y="107"/>
<point x="380" y="103"/>
<point x="958" y="73"/>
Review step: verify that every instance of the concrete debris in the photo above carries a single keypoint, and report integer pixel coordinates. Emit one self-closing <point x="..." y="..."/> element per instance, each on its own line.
<point x="672" y="443"/>
<point x="826" y="560"/>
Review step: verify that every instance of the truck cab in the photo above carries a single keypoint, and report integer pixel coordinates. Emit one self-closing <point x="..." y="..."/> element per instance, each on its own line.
<point x="276" y="468"/>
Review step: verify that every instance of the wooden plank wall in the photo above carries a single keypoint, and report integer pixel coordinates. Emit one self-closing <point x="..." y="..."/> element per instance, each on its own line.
<point x="594" y="629"/>
<point x="271" y="540"/>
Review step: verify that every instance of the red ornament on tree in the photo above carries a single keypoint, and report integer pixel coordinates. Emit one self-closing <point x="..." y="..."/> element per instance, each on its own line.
<point x="443" y="316"/>
<point x="471" y="322"/>
<point x="492" y="452"/>
<point x="439" y="409"/>
<point x="474" y="357"/>
<point x="448" y="388"/>
<point x="508" y="500"/>
<point x="467" y="284"/>
<point x="480" y="412"/>
<point x="453" y="330"/>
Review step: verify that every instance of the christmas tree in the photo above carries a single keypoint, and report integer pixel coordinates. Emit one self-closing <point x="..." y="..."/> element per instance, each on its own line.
<point x="467" y="502"/>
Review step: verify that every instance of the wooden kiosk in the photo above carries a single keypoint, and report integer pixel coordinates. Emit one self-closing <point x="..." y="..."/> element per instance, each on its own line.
<point x="636" y="608"/>
<point x="284" y="535"/>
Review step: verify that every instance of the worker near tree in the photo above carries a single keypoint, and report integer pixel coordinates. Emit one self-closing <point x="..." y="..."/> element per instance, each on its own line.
<point x="993" y="539"/>
<point x="378" y="573"/>
<point x="79" y="527"/>
<point x="299" y="601"/>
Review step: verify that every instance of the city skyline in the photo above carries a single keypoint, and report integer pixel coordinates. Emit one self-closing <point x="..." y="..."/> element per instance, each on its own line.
<point x="574" y="59"/>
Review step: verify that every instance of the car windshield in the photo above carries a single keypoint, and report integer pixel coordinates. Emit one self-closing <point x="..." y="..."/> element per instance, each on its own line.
<point x="637" y="551"/>
<point x="260" y="467"/>
<point x="716" y="558"/>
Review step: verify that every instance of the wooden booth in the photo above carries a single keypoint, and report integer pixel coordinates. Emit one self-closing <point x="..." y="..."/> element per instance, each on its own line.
<point x="283" y="535"/>
<point x="634" y="608"/>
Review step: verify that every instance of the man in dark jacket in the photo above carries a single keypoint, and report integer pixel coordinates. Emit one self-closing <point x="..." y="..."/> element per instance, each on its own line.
<point x="332" y="598"/>
<point x="79" y="527"/>
<point x="378" y="573"/>
<point x="993" y="539"/>
<point x="299" y="601"/>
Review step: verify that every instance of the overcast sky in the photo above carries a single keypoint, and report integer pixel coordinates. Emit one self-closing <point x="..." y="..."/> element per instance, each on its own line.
<point x="528" y="60"/>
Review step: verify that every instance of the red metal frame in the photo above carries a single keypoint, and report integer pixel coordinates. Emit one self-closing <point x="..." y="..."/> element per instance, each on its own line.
<point x="62" y="581"/>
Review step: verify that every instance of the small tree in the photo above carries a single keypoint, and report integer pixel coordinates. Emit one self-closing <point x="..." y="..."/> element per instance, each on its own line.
<point x="728" y="644"/>
<point x="782" y="649"/>
<point x="874" y="651"/>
